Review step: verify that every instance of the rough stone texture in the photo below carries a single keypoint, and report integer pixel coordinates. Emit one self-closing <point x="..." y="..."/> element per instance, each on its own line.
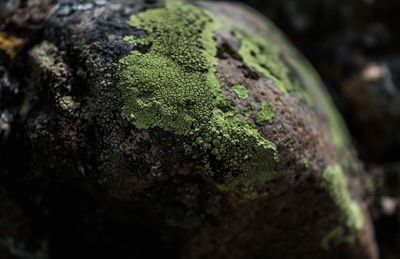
<point x="16" y="238"/>
<point x="106" y="188"/>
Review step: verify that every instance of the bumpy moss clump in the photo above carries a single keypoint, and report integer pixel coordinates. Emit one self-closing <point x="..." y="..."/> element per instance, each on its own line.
<point x="335" y="183"/>
<point x="173" y="86"/>
<point x="266" y="114"/>
<point x="240" y="91"/>
<point x="304" y="163"/>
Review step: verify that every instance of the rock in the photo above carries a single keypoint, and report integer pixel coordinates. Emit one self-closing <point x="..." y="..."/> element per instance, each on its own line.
<point x="8" y="7"/>
<point x="373" y="95"/>
<point x="386" y="211"/>
<point x="16" y="239"/>
<point x="10" y="100"/>
<point x="186" y="131"/>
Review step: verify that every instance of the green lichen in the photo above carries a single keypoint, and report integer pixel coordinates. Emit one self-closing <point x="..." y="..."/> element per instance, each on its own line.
<point x="240" y="91"/>
<point x="334" y="181"/>
<point x="265" y="56"/>
<point x="273" y="56"/>
<point x="248" y="110"/>
<point x="304" y="163"/>
<point x="173" y="87"/>
<point x="336" y="237"/>
<point x="266" y="114"/>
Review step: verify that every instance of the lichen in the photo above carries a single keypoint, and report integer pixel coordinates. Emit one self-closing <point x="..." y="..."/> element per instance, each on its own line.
<point x="266" y="57"/>
<point x="335" y="183"/>
<point x="274" y="57"/>
<point x="46" y="58"/>
<point x="263" y="56"/>
<point x="266" y="113"/>
<point x="10" y="44"/>
<point x="67" y="103"/>
<point x="173" y="87"/>
<point x="304" y="163"/>
<point x="315" y="90"/>
<point x="240" y="91"/>
<point x="336" y="237"/>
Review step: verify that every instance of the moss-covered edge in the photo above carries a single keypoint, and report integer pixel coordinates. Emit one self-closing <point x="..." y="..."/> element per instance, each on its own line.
<point x="335" y="182"/>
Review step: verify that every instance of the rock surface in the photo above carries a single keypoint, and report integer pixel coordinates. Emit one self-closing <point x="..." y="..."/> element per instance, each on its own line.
<point x="187" y="130"/>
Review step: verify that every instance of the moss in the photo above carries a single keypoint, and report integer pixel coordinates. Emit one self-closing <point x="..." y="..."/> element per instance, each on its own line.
<point x="173" y="87"/>
<point x="304" y="163"/>
<point x="335" y="238"/>
<point x="264" y="55"/>
<point x="335" y="183"/>
<point x="240" y="91"/>
<point x="266" y="114"/>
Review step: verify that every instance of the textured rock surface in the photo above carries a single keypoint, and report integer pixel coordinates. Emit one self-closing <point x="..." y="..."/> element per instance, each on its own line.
<point x="114" y="176"/>
<point x="16" y="238"/>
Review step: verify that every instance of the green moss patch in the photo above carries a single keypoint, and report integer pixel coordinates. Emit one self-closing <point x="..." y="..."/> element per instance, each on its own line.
<point x="266" y="114"/>
<point x="334" y="181"/>
<point x="173" y="87"/>
<point x="336" y="237"/>
<point x="304" y="163"/>
<point x="240" y="91"/>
